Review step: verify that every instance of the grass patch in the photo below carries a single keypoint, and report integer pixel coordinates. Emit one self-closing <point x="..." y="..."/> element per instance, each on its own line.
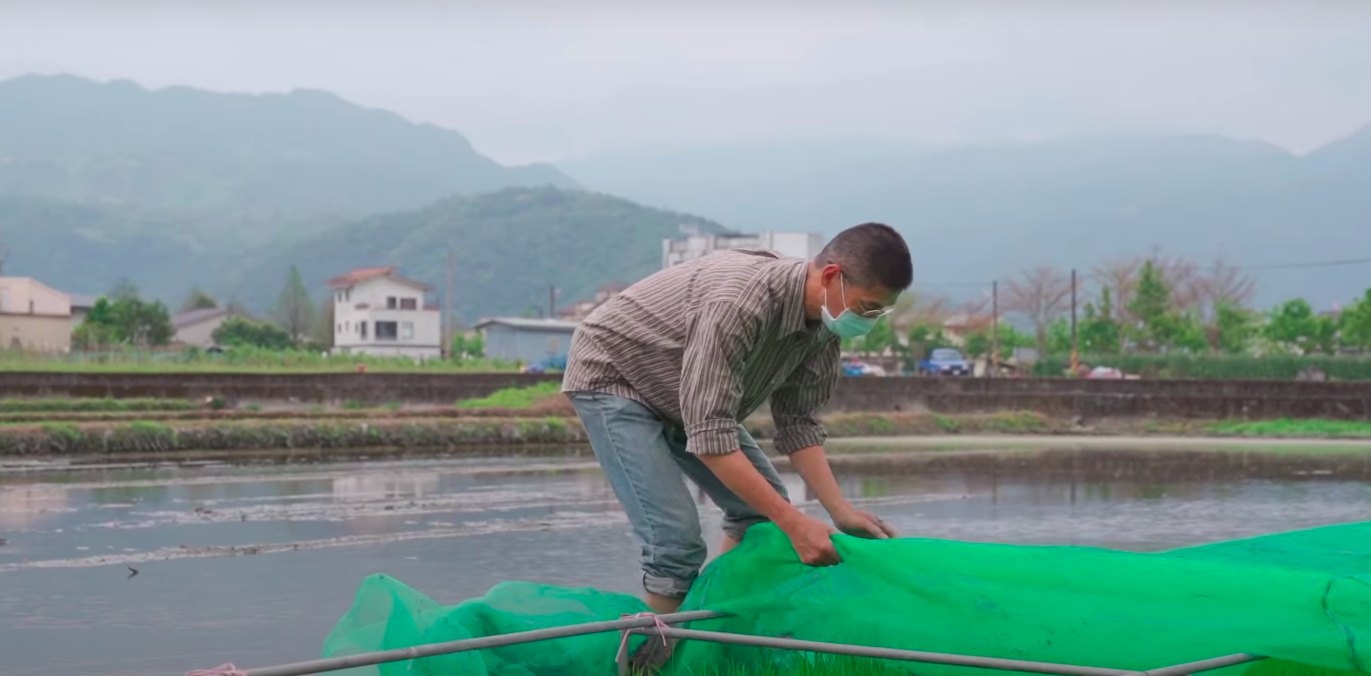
<point x="94" y="405"/>
<point x="515" y="397"/>
<point x="1286" y="427"/>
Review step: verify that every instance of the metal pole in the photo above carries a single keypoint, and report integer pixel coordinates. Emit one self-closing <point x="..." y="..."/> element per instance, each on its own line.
<point x="551" y="301"/>
<point x="994" y="328"/>
<point x="467" y="645"/>
<point x="1203" y="665"/>
<point x="1075" y="346"/>
<point x="447" y="321"/>
<point x="885" y="653"/>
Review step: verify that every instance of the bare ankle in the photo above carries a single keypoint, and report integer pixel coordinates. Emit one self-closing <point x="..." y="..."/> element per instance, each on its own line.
<point x="663" y="605"/>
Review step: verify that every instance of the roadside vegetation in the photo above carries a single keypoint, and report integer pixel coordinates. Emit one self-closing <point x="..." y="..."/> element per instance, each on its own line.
<point x="515" y="397"/>
<point x="1286" y="427"/>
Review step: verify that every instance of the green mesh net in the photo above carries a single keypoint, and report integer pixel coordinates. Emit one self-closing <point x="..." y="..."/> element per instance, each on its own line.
<point x="1302" y="599"/>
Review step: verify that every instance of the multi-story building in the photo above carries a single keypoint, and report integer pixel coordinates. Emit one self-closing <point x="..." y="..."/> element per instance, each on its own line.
<point x="378" y="312"/>
<point x="582" y="309"/>
<point x="693" y="245"/>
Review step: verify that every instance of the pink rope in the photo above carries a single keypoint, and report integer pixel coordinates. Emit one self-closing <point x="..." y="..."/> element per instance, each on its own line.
<point x="221" y="670"/>
<point x="623" y="642"/>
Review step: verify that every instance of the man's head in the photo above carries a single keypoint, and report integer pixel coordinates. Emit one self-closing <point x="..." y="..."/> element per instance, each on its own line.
<point x="861" y="272"/>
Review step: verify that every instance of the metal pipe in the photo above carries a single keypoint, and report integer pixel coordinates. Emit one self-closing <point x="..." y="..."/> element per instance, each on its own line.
<point x="1203" y="665"/>
<point x="466" y="645"/>
<point x="885" y="653"/>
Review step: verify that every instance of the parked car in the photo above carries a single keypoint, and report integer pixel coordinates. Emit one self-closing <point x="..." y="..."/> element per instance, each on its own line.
<point x="860" y="368"/>
<point x="945" y="361"/>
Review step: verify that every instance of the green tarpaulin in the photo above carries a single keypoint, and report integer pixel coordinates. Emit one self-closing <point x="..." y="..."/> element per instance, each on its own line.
<point x="1303" y="599"/>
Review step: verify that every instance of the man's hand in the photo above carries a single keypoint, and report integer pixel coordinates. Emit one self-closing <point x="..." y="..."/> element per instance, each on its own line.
<point x="811" y="538"/>
<point x="861" y="523"/>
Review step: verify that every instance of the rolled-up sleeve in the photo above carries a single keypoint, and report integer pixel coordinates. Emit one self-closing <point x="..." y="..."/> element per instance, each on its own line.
<point x="717" y="342"/>
<point x="796" y="405"/>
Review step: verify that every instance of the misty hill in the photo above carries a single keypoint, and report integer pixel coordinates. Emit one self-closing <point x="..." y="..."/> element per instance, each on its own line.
<point x="509" y="247"/>
<point x="83" y="249"/>
<point x="979" y="213"/>
<point x="248" y="162"/>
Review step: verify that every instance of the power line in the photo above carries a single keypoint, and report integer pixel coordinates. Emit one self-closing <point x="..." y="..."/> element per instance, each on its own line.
<point x="1343" y="262"/>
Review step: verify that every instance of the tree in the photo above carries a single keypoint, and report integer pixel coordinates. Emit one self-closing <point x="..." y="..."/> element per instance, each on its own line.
<point x="1059" y="336"/>
<point x="1099" y="332"/>
<point x="140" y="323"/>
<point x="1150" y="308"/>
<point x="1233" y="329"/>
<point x="323" y="328"/>
<point x="1356" y="323"/>
<point x="1119" y="277"/>
<point x="123" y="289"/>
<point x="127" y="321"/>
<point x="468" y="346"/>
<point x="1223" y="285"/>
<point x="243" y="332"/>
<point x="978" y="344"/>
<point x="198" y="300"/>
<point x="1040" y="295"/>
<point x="294" y="310"/>
<point x="1292" y="324"/>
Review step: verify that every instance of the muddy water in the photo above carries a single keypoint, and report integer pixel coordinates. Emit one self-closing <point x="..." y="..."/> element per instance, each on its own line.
<point x="253" y="563"/>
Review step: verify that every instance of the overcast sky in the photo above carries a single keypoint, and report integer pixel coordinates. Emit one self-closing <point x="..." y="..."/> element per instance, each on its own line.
<point x="548" y="79"/>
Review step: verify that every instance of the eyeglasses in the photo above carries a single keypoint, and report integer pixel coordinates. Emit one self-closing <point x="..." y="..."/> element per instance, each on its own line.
<point x="877" y="313"/>
<point x="865" y="314"/>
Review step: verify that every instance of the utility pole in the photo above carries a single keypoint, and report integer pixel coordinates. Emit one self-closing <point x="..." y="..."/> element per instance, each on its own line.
<point x="994" y="328"/>
<point x="448" y="323"/>
<point x="1075" y="345"/>
<point x="551" y="301"/>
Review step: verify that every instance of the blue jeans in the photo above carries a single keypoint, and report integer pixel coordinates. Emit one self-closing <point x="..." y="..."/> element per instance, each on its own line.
<point x="646" y="462"/>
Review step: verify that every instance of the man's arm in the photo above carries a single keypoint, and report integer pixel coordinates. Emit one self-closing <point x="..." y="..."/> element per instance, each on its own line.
<point x="717" y="343"/>
<point x="795" y="408"/>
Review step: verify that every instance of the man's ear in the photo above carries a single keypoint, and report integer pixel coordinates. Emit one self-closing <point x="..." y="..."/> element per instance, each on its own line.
<point x="828" y="272"/>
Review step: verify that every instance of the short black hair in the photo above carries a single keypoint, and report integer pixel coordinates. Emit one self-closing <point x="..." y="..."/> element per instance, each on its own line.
<point x="871" y="254"/>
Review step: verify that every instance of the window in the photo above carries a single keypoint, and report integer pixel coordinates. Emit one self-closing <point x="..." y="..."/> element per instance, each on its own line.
<point x="406" y="330"/>
<point x="362" y="329"/>
<point x="390" y="302"/>
<point x="409" y="304"/>
<point x="340" y="328"/>
<point x="4" y="300"/>
<point x="386" y="331"/>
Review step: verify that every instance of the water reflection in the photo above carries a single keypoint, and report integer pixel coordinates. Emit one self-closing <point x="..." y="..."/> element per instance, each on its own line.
<point x="385" y="486"/>
<point x="29" y="507"/>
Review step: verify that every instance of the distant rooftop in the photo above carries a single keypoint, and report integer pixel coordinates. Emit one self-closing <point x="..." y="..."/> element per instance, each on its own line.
<point x="529" y="324"/>
<point x="193" y="317"/>
<point x="360" y="275"/>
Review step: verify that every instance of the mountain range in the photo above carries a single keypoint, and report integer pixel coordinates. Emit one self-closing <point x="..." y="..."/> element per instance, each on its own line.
<point x="178" y="187"/>
<point x="975" y="214"/>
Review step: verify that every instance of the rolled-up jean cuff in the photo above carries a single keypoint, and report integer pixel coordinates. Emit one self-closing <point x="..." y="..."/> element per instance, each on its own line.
<point x="666" y="586"/>
<point x="736" y="529"/>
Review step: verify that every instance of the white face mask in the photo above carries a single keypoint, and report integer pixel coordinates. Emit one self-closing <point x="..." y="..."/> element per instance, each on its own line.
<point x="849" y="324"/>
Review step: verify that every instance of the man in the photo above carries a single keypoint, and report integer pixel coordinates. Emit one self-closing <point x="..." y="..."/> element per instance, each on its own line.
<point x="663" y="374"/>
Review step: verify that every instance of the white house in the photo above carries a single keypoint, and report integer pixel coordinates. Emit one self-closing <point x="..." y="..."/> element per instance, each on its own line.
<point x="378" y="312"/>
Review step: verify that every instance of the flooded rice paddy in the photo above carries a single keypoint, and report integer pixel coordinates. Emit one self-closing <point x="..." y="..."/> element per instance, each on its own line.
<point x="253" y="561"/>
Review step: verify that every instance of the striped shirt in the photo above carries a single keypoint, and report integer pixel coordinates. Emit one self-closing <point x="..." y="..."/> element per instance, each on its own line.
<point x="705" y="343"/>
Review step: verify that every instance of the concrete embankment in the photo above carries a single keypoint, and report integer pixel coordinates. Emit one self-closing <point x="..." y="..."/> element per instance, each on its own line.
<point x="1063" y="398"/>
<point x="453" y="429"/>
